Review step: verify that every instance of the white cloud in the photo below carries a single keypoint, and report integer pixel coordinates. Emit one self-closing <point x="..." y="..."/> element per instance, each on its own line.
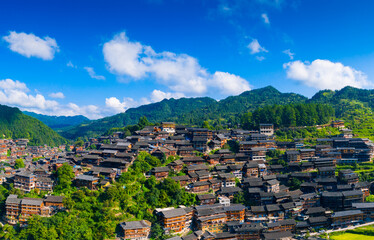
<point x="30" y="45"/>
<point x="158" y="95"/>
<point x="72" y="109"/>
<point x="179" y="72"/>
<point x="265" y="18"/>
<point x="114" y="105"/>
<point x="92" y="73"/>
<point x="289" y="53"/>
<point x="59" y="95"/>
<point x="70" y="64"/>
<point x="122" y="56"/>
<point x="255" y="47"/>
<point x="9" y="84"/>
<point x="324" y="74"/>
<point x="230" y="84"/>
<point x="16" y="94"/>
<point x="260" y="58"/>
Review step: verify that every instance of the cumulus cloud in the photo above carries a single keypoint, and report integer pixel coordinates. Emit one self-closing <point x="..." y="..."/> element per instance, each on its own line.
<point x="289" y="53"/>
<point x="59" y="95"/>
<point x="324" y="74"/>
<point x="93" y="74"/>
<point x="114" y="105"/>
<point x="265" y="18"/>
<point x="9" y="84"/>
<point x="255" y="47"/>
<point x="29" y="45"/>
<point x="179" y="72"/>
<point x="15" y="93"/>
<point x="158" y="95"/>
<point x="230" y="83"/>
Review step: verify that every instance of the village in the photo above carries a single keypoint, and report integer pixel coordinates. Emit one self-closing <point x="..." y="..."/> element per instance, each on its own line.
<point x="290" y="188"/>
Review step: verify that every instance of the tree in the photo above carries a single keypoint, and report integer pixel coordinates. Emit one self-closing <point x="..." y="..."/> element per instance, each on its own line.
<point x="19" y="164"/>
<point x="157" y="231"/>
<point x="206" y="125"/>
<point x="93" y="147"/>
<point x="294" y="183"/>
<point x="239" y="198"/>
<point x="65" y="174"/>
<point x="7" y="232"/>
<point x="370" y="198"/>
<point x="37" y="230"/>
<point x="143" y="121"/>
<point x="246" y="121"/>
<point x="79" y="143"/>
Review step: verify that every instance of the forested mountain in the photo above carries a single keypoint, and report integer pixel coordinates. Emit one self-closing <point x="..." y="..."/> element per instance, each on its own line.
<point x="339" y="98"/>
<point x="190" y="111"/>
<point x="15" y="124"/>
<point x="57" y="122"/>
<point x="229" y="112"/>
<point x="155" y="112"/>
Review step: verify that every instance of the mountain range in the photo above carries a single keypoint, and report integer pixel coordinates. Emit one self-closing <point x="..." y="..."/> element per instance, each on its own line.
<point x="353" y="104"/>
<point x="225" y="113"/>
<point x="58" y="122"/>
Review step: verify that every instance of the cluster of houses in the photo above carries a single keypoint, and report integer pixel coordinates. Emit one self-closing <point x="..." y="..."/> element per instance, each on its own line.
<point x="20" y="209"/>
<point x="306" y="193"/>
<point x="12" y="149"/>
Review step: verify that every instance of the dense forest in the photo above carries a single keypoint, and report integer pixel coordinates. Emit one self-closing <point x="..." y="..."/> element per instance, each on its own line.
<point x="15" y="124"/>
<point x="57" y="122"/>
<point x="291" y="115"/>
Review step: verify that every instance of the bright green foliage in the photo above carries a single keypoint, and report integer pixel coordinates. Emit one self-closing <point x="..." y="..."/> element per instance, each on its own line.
<point x="145" y="162"/>
<point x="19" y="163"/>
<point x="307" y="133"/>
<point x="65" y="175"/>
<point x="7" y="232"/>
<point x="370" y="198"/>
<point x="275" y="153"/>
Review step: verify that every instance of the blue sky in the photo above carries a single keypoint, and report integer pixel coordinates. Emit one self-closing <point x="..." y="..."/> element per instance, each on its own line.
<point x="99" y="58"/>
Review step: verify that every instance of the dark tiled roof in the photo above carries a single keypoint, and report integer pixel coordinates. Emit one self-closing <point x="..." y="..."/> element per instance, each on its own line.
<point x="135" y="224"/>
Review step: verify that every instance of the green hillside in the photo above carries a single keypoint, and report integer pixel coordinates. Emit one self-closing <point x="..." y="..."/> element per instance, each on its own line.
<point x="57" y="122"/>
<point x="190" y="111"/>
<point x="351" y="104"/>
<point x="166" y="110"/>
<point x="15" y="124"/>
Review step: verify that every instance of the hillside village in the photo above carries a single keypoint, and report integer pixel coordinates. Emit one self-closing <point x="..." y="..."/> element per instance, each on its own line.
<point x="246" y="183"/>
